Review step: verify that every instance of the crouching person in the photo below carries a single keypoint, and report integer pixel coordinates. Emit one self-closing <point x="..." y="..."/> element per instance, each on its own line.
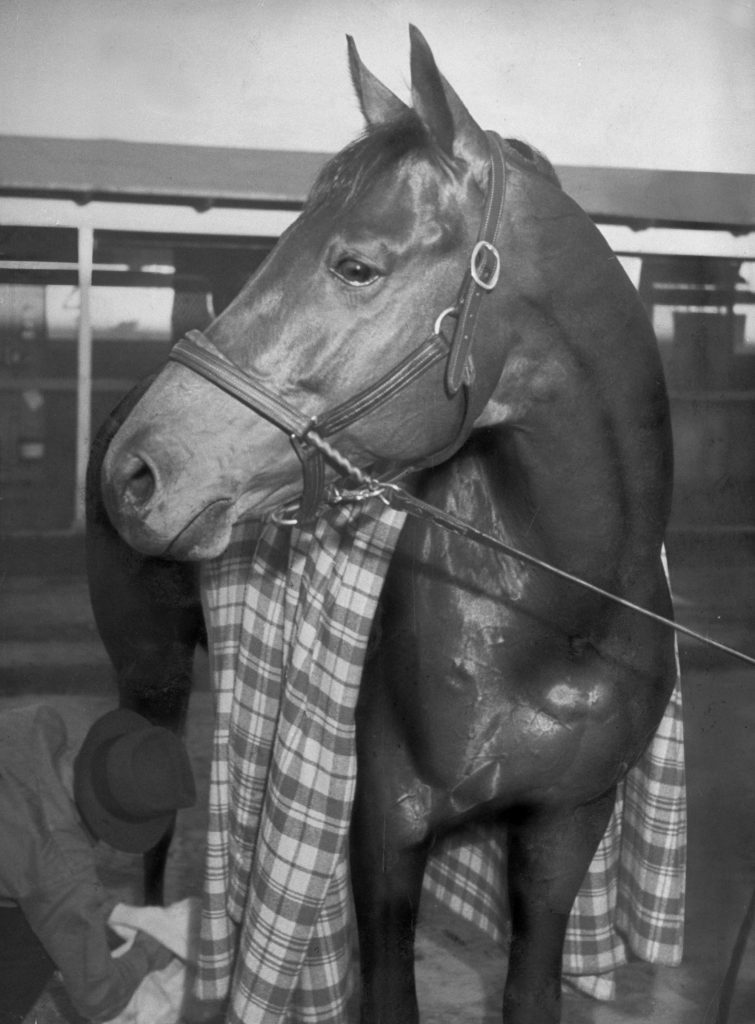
<point x="123" y="787"/>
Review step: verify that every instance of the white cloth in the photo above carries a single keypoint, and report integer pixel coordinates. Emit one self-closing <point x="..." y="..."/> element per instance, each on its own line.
<point x="161" y="995"/>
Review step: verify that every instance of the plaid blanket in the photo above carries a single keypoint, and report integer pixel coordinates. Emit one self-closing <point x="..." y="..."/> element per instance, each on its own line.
<point x="289" y="612"/>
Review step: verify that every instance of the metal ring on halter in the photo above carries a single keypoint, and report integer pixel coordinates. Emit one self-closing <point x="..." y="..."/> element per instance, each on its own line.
<point x="450" y="311"/>
<point x="492" y="281"/>
<point x="286" y="515"/>
<point x="302" y="436"/>
<point x="394" y="488"/>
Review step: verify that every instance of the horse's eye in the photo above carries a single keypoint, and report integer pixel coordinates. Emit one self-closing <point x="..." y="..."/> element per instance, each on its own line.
<point x="355" y="272"/>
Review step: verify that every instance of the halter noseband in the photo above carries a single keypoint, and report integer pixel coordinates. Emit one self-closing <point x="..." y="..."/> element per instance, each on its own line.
<point x="307" y="434"/>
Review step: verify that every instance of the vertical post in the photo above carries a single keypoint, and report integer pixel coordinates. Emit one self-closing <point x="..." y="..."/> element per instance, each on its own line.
<point x="84" y="372"/>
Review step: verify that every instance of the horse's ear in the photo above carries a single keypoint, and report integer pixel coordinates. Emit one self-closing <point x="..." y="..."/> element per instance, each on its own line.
<point x="377" y="102"/>
<point x="445" y="116"/>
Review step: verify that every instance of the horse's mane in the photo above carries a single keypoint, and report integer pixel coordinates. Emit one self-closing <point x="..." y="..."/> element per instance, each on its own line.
<point x="534" y="159"/>
<point x="384" y="145"/>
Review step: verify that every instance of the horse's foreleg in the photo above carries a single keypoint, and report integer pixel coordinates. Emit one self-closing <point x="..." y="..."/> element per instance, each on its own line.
<point x="549" y="854"/>
<point x="163" y="703"/>
<point x="159" y="688"/>
<point x="387" y="885"/>
<point x="154" y="863"/>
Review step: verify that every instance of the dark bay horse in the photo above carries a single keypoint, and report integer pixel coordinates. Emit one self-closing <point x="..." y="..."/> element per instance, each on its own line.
<point x="531" y="403"/>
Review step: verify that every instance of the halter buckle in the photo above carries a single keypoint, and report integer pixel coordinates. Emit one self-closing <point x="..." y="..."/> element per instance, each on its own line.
<point x="485" y="249"/>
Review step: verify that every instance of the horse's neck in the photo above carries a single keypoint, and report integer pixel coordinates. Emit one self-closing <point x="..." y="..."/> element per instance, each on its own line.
<point x="572" y="501"/>
<point x="584" y="410"/>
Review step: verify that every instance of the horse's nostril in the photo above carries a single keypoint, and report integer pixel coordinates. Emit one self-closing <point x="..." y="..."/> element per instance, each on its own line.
<point x="142" y="484"/>
<point x="139" y="481"/>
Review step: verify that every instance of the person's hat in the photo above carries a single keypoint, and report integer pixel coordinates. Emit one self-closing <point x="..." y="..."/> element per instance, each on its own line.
<point x="130" y="778"/>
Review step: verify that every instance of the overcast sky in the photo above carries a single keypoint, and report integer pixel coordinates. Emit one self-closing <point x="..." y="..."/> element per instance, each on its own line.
<point x="649" y="83"/>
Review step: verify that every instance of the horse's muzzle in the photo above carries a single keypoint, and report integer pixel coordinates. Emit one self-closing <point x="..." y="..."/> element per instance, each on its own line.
<point x="133" y="495"/>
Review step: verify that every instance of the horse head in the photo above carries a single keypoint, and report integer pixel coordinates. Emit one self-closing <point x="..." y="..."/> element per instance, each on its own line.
<point x="357" y="286"/>
<point x="438" y="278"/>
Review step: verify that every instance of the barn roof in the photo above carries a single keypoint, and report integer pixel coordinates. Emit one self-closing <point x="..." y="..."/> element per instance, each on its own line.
<point x="204" y="176"/>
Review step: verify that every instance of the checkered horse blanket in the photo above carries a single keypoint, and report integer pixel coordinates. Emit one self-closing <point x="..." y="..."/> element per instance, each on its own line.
<point x="289" y="612"/>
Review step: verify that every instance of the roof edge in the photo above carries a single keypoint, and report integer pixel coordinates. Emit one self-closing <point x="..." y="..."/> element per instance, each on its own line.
<point x="85" y="170"/>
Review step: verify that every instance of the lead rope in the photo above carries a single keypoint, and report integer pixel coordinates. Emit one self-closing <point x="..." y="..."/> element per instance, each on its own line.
<point x="725" y="994"/>
<point x="395" y="496"/>
<point x="400" y="499"/>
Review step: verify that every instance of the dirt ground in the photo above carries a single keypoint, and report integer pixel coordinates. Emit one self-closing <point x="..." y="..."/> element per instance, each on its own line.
<point x="49" y="651"/>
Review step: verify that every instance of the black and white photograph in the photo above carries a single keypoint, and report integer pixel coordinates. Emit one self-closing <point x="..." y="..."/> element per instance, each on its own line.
<point x="377" y="512"/>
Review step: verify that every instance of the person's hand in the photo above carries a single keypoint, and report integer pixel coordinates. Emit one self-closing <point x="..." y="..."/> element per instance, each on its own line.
<point x="158" y="956"/>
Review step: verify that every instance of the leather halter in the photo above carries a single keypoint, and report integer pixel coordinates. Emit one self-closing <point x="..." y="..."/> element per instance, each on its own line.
<point x="307" y="434"/>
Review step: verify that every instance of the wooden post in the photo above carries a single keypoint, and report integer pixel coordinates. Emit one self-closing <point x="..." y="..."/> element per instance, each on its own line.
<point x="84" y="374"/>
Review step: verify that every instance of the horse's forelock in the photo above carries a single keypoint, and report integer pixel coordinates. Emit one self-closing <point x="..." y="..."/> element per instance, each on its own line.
<point x="385" y="146"/>
<point x="381" y="147"/>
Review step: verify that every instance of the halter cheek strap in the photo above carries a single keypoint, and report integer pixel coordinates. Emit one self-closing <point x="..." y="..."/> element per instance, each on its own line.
<point x="483" y="273"/>
<point x="307" y="434"/>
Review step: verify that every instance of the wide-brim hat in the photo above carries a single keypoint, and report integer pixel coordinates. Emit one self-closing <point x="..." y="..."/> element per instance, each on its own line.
<point x="130" y="778"/>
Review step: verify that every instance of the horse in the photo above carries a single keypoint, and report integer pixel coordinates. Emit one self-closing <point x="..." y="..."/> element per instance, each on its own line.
<point x="529" y="400"/>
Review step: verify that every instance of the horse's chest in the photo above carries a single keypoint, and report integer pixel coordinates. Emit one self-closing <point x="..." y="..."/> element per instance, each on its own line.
<point x="491" y="714"/>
